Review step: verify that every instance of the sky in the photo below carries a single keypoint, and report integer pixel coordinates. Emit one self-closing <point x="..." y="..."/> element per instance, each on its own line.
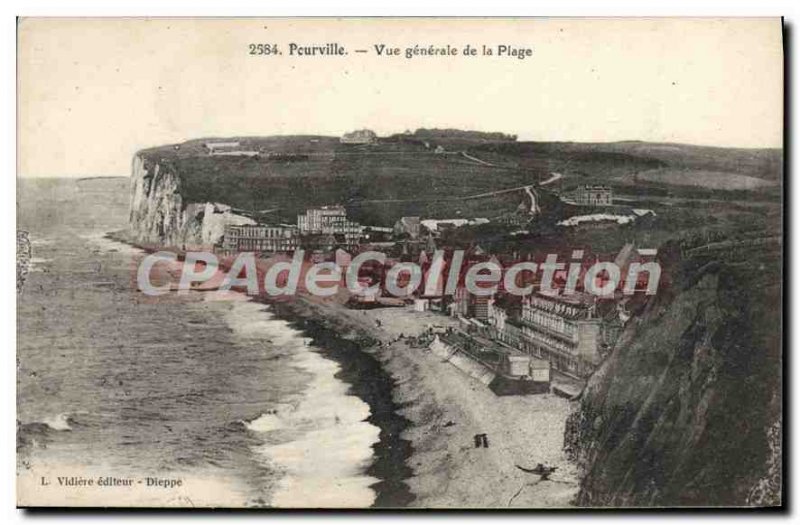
<point x="91" y="92"/>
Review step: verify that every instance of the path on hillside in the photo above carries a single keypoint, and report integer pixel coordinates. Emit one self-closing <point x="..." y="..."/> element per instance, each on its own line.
<point x="526" y="188"/>
<point x="553" y="177"/>
<point x="496" y="192"/>
<point x="479" y="161"/>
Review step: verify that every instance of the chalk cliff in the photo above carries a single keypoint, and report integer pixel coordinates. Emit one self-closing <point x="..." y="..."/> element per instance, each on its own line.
<point x="160" y="213"/>
<point x="687" y="408"/>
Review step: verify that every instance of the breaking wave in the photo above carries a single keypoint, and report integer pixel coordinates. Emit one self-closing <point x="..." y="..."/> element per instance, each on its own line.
<point x="320" y="442"/>
<point x="59" y="422"/>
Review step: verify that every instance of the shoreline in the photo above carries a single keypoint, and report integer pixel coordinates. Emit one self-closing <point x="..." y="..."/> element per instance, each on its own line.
<point x="425" y="457"/>
<point x="445" y="408"/>
<point x="391" y="452"/>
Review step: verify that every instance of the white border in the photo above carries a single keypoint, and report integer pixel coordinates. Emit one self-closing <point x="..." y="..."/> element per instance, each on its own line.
<point x="11" y="9"/>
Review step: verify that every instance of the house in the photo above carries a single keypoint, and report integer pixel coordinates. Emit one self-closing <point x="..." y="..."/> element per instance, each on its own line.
<point x="231" y="149"/>
<point x="421" y="305"/>
<point x="459" y="306"/>
<point x="330" y="220"/>
<point x="479" y="308"/>
<point x="215" y="147"/>
<point x="588" y="195"/>
<point x="563" y="330"/>
<point x="505" y="371"/>
<point x="407" y="227"/>
<point x="360" y="136"/>
<point x="375" y="234"/>
<point x="523" y="365"/>
<point x="437" y="225"/>
<point x="259" y="238"/>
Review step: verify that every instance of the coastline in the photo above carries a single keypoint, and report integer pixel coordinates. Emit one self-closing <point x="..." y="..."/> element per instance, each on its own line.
<point x="429" y="412"/>
<point x="391" y="452"/>
<point x="445" y="408"/>
<point x="368" y="381"/>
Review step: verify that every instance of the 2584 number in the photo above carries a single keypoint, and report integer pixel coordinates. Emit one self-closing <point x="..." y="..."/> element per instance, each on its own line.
<point x="264" y="49"/>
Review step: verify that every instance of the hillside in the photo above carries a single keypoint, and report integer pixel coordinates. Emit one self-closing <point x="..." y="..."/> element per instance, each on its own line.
<point x="687" y="409"/>
<point x="432" y="173"/>
<point x="761" y="163"/>
<point x="378" y="182"/>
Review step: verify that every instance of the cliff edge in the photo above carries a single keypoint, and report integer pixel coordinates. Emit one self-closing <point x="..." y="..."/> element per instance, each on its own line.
<point x="160" y="213"/>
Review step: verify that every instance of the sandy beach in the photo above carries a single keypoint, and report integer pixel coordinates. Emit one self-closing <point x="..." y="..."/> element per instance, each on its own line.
<point x="447" y="408"/>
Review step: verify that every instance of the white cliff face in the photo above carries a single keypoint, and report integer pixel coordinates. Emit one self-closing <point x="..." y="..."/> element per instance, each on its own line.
<point x="159" y="215"/>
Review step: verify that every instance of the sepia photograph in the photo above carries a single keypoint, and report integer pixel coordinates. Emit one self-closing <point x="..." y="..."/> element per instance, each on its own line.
<point x="400" y="263"/>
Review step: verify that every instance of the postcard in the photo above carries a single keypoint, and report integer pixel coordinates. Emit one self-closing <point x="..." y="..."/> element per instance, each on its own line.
<point x="437" y="263"/>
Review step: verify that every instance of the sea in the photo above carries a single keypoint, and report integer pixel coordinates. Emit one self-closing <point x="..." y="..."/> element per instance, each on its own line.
<point x="246" y="406"/>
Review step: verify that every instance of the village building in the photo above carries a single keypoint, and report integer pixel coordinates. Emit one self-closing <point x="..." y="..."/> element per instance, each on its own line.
<point x="467" y="305"/>
<point x="459" y="306"/>
<point x="214" y="147"/>
<point x="330" y="220"/>
<point x="516" y="219"/>
<point x="504" y="370"/>
<point x="408" y="227"/>
<point x="500" y="311"/>
<point x="562" y="330"/>
<point x="373" y="234"/>
<point x="360" y="136"/>
<point x="521" y="366"/>
<point x="259" y="239"/>
<point x="437" y="226"/>
<point x="233" y="149"/>
<point x="588" y="195"/>
<point x="479" y="308"/>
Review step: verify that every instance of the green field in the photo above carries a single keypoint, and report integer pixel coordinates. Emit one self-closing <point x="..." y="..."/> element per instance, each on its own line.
<point x="717" y="180"/>
<point x="404" y="175"/>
